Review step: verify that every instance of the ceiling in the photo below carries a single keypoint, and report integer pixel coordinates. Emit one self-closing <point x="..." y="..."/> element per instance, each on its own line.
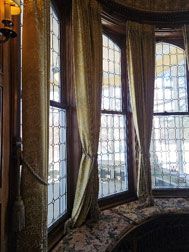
<point x="156" y="5"/>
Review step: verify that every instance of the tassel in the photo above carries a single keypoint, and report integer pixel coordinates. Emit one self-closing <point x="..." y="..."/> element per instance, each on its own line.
<point x="18" y="215"/>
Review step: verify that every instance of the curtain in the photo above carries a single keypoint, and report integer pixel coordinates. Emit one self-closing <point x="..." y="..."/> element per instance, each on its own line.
<point x="35" y="95"/>
<point x="87" y="51"/>
<point x="141" y="72"/>
<point x="186" y="42"/>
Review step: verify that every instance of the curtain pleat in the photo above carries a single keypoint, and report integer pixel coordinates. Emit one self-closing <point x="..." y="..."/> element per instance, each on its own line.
<point x="35" y="96"/>
<point x="141" y="72"/>
<point x="87" y="51"/>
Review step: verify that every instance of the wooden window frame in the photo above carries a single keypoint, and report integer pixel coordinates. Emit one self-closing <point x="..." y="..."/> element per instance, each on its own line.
<point x="173" y="36"/>
<point x="74" y="150"/>
<point x="127" y="196"/>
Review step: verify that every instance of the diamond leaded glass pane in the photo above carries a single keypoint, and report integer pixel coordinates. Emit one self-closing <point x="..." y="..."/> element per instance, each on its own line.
<point x="170" y="151"/>
<point x="170" y="133"/>
<point x="55" y="85"/>
<point x="112" y="157"/>
<point x="57" y="174"/>
<point x="171" y="82"/>
<point x="112" y="151"/>
<point x="111" y="88"/>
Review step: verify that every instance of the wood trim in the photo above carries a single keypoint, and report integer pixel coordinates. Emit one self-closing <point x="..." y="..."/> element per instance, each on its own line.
<point x="116" y="200"/>
<point x="5" y="147"/>
<point x="171" y="193"/>
<point x="119" y="198"/>
<point x="56" y="232"/>
<point x="15" y="94"/>
<point x="120" y="13"/>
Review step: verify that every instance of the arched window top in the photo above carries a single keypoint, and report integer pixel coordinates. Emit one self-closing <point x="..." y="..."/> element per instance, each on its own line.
<point x="168" y="48"/>
<point x="111" y="89"/>
<point x="112" y="151"/>
<point x="108" y="42"/>
<point x="171" y="79"/>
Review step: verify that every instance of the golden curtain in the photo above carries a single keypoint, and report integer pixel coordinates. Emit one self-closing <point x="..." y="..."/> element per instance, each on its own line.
<point x="141" y="72"/>
<point x="87" y="51"/>
<point x="186" y="42"/>
<point x="35" y="94"/>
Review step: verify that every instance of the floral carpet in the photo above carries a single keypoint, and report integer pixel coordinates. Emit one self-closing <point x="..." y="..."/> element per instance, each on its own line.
<point x="115" y="222"/>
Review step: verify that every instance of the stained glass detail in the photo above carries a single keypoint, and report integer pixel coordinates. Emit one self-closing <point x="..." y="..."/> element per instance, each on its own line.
<point x="55" y="85"/>
<point x="171" y="81"/>
<point x="170" y="133"/>
<point x="112" y="150"/>
<point x="57" y="174"/>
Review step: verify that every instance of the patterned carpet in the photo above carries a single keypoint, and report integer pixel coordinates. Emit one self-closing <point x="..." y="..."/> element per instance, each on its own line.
<point x="113" y="223"/>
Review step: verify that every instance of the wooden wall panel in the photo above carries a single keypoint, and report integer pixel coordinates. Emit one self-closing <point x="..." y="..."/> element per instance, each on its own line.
<point x="4" y="141"/>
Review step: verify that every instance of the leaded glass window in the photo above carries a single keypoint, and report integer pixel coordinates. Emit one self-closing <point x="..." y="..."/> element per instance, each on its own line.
<point x="112" y="151"/>
<point x="170" y="135"/>
<point x="57" y="174"/>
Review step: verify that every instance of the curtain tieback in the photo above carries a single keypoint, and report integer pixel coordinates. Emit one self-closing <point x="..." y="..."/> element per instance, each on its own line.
<point x="91" y="157"/>
<point x="145" y="154"/>
<point x="142" y="152"/>
<point x="33" y="172"/>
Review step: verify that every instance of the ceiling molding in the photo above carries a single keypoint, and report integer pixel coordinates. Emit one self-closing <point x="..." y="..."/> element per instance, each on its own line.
<point x="120" y="13"/>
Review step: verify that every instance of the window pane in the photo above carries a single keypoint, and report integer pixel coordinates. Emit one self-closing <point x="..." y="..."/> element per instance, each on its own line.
<point x="55" y="90"/>
<point x="171" y="81"/>
<point x="57" y="175"/>
<point x="170" y="152"/>
<point x="111" y="89"/>
<point x="112" y="155"/>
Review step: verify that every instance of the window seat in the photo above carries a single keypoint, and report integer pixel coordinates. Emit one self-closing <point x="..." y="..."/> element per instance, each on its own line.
<point x="116" y="222"/>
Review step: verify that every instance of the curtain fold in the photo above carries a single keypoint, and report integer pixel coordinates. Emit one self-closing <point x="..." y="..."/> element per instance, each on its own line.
<point x="186" y="42"/>
<point x="35" y="95"/>
<point x="87" y="51"/>
<point x="141" y="73"/>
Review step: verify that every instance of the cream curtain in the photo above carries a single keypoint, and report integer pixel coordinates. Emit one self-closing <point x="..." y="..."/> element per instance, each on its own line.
<point x="35" y="94"/>
<point x="141" y="72"/>
<point x="186" y="42"/>
<point x="87" y="51"/>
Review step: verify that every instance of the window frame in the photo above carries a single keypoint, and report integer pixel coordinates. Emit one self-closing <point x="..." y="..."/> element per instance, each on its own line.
<point x="62" y="104"/>
<point x="116" y="199"/>
<point x="67" y="102"/>
<point x="174" y="37"/>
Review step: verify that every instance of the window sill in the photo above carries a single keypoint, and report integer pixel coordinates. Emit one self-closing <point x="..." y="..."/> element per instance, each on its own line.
<point x="171" y="193"/>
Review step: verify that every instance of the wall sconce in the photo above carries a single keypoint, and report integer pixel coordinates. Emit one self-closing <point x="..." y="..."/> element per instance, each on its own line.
<point x="11" y="7"/>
